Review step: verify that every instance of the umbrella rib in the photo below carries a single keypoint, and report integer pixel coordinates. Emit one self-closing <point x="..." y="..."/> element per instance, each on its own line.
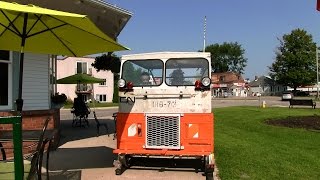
<point x="33" y="25"/>
<point x="39" y="19"/>
<point x="49" y="29"/>
<point x="10" y="24"/>
<point x="115" y="43"/>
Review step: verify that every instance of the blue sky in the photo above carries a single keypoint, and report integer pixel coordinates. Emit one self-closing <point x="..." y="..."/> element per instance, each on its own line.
<point x="177" y="25"/>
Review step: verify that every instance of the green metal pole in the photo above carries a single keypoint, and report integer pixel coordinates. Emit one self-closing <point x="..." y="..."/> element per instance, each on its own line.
<point x="17" y="144"/>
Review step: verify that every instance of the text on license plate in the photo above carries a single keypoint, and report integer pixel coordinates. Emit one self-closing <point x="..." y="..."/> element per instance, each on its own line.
<point x="164" y="104"/>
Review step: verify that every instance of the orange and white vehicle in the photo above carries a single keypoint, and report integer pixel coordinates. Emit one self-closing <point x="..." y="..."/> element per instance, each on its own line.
<point x="165" y="108"/>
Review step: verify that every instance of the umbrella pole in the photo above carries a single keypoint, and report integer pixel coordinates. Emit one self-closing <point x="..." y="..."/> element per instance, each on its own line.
<point x="18" y="163"/>
<point x="19" y="101"/>
<point x="94" y="105"/>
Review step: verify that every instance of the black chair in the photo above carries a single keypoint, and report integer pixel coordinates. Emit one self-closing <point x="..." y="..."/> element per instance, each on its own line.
<point x="32" y="170"/>
<point x="100" y="124"/>
<point x="80" y="112"/>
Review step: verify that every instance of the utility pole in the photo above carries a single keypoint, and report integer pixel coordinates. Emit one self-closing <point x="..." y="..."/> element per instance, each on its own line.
<point x="317" y="60"/>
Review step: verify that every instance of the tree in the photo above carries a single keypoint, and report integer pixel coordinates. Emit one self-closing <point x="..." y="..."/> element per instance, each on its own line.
<point x="131" y="73"/>
<point x="227" y="57"/>
<point x="109" y="62"/>
<point x="177" y="77"/>
<point x="295" y="64"/>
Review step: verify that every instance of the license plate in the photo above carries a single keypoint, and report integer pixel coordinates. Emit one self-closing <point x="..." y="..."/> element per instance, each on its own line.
<point x="164" y="104"/>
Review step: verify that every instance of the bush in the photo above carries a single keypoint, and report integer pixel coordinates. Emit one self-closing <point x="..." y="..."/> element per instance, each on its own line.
<point x="68" y="102"/>
<point x="302" y="93"/>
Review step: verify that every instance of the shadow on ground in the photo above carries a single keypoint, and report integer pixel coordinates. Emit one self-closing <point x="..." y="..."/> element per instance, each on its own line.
<point x="86" y="152"/>
<point x="69" y="133"/>
<point x="162" y="164"/>
<point x="81" y="158"/>
<point x="66" y="175"/>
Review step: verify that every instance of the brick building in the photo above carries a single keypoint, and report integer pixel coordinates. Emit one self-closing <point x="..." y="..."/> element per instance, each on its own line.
<point x="228" y="84"/>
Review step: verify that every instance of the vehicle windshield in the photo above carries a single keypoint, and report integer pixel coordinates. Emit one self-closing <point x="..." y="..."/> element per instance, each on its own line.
<point x="143" y="72"/>
<point x="184" y="72"/>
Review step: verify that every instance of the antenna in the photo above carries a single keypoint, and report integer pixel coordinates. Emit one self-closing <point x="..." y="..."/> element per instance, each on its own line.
<point x="204" y="33"/>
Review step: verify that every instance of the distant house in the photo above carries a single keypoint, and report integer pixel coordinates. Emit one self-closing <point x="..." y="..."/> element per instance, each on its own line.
<point x="265" y="86"/>
<point x="102" y="92"/>
<point x="228" y="84"/>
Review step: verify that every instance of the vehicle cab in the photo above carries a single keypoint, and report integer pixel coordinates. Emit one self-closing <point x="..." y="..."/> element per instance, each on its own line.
<point x="165" y="107"/>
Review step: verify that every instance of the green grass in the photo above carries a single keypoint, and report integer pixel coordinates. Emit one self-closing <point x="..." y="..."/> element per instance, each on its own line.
<point x="68" y="106"/>
<point x="7" y="170"/>
<point x="247" y="148"/>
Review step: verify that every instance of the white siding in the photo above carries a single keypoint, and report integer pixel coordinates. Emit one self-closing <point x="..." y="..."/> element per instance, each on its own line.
<point x="35" y="90"/>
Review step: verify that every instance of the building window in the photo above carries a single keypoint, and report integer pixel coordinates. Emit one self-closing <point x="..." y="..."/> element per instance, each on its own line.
<point x="82" y="67"/>
<point x="5" y="78"/>
<point x="221" y="78"/>
<point x="101" y="97"/>
<point x="104" y="83"/>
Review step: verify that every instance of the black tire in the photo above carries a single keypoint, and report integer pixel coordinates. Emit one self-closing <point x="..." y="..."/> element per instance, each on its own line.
<point x="209" y="176"/>
<point x="208" y="171"/>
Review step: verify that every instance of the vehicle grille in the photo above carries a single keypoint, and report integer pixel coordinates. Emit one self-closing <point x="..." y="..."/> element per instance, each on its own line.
<point x="163" y="131"/>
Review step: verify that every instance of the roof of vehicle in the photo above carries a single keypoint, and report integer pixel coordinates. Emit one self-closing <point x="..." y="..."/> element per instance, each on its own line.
<point x="166" y="55"/>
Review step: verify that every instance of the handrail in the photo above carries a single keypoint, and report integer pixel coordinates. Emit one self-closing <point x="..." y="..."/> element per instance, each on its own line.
<point x="16" y="122"/>
<point x="165" y="95"/>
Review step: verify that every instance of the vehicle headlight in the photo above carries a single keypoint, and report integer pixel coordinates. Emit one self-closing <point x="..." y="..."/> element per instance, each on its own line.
<point x="121" y="83"/>
<point x="206" y="81"/>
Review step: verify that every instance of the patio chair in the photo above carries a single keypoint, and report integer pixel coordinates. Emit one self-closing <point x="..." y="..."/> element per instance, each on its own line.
<point x="100" y="124"/>
<point x="32" y="169"/>
<point x="80" y="113"/>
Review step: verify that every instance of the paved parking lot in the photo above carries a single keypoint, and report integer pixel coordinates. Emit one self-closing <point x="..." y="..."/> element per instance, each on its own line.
<point x="271" y="101"/>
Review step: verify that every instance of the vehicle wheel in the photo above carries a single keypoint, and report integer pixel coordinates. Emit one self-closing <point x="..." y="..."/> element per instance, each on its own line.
<point x="125" y="160"/>
<point x="208" y="171"/>
<point x="209" y="176"/>
<point x="122" y="164"/>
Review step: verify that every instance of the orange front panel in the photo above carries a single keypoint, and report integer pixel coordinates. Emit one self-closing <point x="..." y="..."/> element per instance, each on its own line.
<point x="196" y="135"/>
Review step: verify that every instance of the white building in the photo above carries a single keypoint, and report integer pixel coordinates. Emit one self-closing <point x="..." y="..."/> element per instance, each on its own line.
<point x="102" y="92"/>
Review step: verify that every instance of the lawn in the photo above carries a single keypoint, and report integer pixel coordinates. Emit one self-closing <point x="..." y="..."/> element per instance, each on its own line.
<point x="247" y="148"/>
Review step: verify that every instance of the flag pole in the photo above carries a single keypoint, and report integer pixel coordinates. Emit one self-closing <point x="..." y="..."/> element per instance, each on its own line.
<point x="317" y="61"/>
<point x="204" y="33"/>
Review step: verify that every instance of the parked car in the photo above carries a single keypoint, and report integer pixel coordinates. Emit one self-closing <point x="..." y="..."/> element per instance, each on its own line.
<point x="286" y="96"/>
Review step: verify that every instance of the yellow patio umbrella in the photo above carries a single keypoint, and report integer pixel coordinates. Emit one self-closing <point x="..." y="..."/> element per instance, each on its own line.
<point x="28" y="28"/>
